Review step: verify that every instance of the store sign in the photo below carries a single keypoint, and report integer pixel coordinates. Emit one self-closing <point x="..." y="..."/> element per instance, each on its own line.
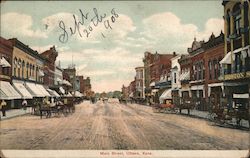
<point x="234" y="76"/>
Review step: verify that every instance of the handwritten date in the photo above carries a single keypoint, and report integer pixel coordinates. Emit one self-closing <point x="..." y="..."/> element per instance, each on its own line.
<point x="93" y="22"/>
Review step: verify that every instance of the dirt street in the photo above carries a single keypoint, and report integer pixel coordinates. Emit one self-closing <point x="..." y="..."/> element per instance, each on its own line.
<point x="117" y="126"/>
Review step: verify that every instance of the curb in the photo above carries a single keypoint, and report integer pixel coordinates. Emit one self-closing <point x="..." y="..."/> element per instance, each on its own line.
<point x="10" y="117"/>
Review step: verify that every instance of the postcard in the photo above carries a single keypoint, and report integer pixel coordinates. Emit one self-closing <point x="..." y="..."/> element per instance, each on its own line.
<point x="108" y="79"/>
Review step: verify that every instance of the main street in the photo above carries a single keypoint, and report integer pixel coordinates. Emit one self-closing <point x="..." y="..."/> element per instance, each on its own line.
<point x="113" y="125"/>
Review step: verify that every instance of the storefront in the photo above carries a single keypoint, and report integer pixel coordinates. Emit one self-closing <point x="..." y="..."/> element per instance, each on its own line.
<point x="198" y="96"/>
<point x="9" y="94"/>
<point x="215" y="94"/>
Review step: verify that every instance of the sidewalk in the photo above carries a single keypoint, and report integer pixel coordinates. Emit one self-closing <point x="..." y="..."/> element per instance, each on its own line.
<point x="15" y="113"/>
<point x="204" y="115"/>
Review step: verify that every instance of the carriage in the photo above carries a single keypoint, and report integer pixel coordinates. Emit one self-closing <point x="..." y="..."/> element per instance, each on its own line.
<point x="58" y="108"/>
<point x="166" y="107"/>
<point x="230" y="114"/>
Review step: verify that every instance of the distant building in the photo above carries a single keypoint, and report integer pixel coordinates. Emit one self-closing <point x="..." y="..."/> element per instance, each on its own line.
<point x="157" y="69"/>
<point x="139" y="83"/>
<point x="125" y="92"/>
<point x="80" y="84"/>
<point x="87" y="87"/>
<point x="69" y="74"/>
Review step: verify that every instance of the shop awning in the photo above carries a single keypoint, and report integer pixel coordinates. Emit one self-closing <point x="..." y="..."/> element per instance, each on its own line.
<point x="241" y="96"/>
<point x="53" y="93"/>
<point x="154" y="90"/>
<point x="66" y="83"/>
<point x="167" y="94"/>
<point x="58" y="80"/>
<point x="8" y="92"/>
<point x="131" y="95"/>
<point x="62" y="90"/>
<point x="78" y="94"/>
<point x="43" y="90"/>
<point x="34" y="90"/>
<point x="22" y="91"/>
<point x="41" y="73"/>
<point x="152" y="84"/>
<point x="226" y="59"/>
<point x="68" y="95"/>
<point x="4" y="62"/>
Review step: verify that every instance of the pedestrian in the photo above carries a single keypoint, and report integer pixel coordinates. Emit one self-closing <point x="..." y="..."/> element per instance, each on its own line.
<point x="3" y="107"/>
<point x="24" y="105"/>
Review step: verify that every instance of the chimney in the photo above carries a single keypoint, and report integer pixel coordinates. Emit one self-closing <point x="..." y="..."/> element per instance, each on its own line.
<point x="174" y="54"/>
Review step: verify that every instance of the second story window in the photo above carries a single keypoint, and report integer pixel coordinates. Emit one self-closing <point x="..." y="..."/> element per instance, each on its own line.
<point x="237" y="18"/>
<point x="210" y="69"/>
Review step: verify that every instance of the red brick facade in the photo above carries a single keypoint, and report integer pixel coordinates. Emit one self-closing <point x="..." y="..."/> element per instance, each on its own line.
<point x="49" y="66"/>
<point x="6" y="49"/>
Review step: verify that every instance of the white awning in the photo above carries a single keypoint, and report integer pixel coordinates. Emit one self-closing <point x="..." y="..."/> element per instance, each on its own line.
<point x="241" y="96"/>
<point x="22" y="91"/>
<point x="41" y="73"/>
<point x="78" y="94"/>
<point x="155" y="90"/>
<point x="68" y="95"/>
<point x="226" y="59"/>
<point x="34" y="90"/>
<point x="62" y="90"/>
<point x="8" y="92"/>
<point x="167" y="94"/>
<point x="152" y="84"/>
<point x="4" y="62"/>
<point x="198" y="87"/>
<point x="131" y="95"/>
<point x="58" y="80"/>
<point x="53" y="93"/>
<point x="66" y="82"/>
<point x="43" y="90"/>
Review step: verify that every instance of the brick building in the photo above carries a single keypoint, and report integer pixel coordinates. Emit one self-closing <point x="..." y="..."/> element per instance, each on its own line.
<point x="5" y="60"/>
<point x="156" y="67"/>
<point x="80" y="84"/>
<point x="49" y="66"/>
<point x="69" y="74"/>
<point x="214" y="51"/>
<point x="236" y="61"/>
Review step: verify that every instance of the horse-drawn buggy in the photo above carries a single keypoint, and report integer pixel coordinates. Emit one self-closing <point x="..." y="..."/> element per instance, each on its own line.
<point x="230" y="113"/>
<point x="166" y="103"/>
<point x="45" y="108"/>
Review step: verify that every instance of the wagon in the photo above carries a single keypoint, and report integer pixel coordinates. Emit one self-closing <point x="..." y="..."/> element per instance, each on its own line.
<point x="185" y="103"/>
<point x="230" y="114"/>
<point x="166" y="107"/>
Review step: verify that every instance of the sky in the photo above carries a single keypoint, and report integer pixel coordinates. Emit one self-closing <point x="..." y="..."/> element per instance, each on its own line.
<point x="106" y="40"/>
